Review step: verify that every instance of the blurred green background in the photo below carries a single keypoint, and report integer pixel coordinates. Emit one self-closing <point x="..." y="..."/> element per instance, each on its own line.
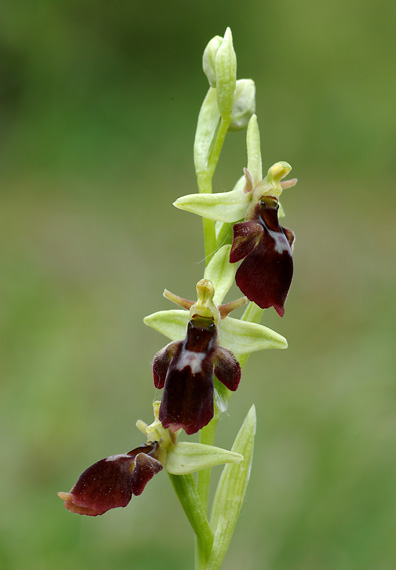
<point x="98" y="105"/>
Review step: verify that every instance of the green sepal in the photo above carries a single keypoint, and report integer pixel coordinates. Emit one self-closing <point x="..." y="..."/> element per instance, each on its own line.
<point x="222" y="207"/>
<point x="242" y="337"/>
<point x="187" y="457"/>
<point x="230" y="492"/>
<point x="254" y="163"/>
<point x="221" y="273"/>
<point x="172" y="324"/>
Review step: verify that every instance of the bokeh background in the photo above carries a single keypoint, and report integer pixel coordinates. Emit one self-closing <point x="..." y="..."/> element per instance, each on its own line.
<point x="98" y="106"/>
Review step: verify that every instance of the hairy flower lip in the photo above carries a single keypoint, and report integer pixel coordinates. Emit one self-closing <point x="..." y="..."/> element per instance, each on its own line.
<point x="111" y="482"/>
<point x="264" y="247"/>
<point x="185" y="369"/>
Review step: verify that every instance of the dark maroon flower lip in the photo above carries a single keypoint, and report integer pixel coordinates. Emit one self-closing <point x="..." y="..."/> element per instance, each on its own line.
<point x="265" y="249"/>
<point x="111" y="482"/>
<point x="185" y="369"/>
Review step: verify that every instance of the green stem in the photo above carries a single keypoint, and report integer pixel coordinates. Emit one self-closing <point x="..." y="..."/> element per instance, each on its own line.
<point x="186" y="491"/>
<point x="218" y="145"/>
<point x="252" y="313"/>
<point x="207" y="434"/>
<point x="204" y="181"/>
<point x="200" y="559"/>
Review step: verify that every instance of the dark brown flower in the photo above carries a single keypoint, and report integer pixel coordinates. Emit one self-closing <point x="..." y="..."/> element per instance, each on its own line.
<point x="265" y="247"/>
<point x="185" y="370"/>
<point x="112" y="481"/>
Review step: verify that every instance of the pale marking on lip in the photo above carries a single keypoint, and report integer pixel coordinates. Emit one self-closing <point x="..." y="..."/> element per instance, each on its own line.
<point x="192" y="359"/>
<point x="281" y="243"/>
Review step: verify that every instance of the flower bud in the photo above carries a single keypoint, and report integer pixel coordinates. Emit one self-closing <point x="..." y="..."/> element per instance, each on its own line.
<point x="226" y="75"/>
<point x="209" y="59"/>
<point x="244" y="104"/>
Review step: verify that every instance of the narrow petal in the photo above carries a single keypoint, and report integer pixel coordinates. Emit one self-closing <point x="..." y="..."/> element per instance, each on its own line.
<point x="290" y="237"/>
<point x="245" y="239"/>
<point x="227" y="368"/>
<point x="145" y="468"/>
<point x="161" y="363"/>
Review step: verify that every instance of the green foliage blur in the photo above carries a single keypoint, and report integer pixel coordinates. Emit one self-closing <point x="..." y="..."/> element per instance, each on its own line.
<point x="98" y="106"/>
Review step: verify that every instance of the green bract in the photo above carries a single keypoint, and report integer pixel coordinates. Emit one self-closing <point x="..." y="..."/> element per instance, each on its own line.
<point x="231" y="491"/>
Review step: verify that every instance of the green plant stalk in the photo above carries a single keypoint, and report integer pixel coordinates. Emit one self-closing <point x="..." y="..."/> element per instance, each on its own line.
<point x="253" y="313"/>
<point x="218" y="145"/>
<point x="207" y="434"/>
<point x="194" y="499"/>
<point x="204" y="174"/>
<point x="186" y="491"/>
